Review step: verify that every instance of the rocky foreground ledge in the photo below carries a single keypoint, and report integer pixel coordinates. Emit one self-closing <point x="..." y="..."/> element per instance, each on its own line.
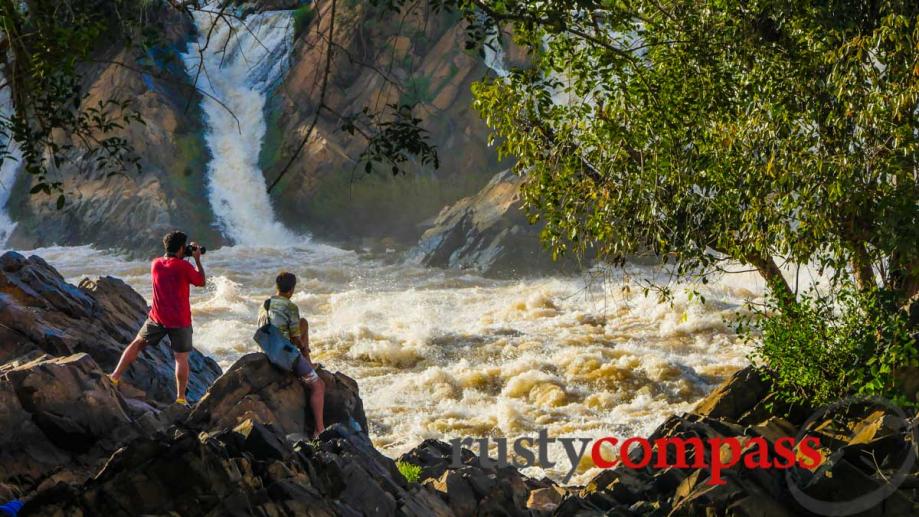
<point x="73" y="445"/>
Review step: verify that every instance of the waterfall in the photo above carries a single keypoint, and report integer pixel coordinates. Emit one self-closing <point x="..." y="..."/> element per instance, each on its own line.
<point x="242" y="61"/>
<point x="8" y="168"/>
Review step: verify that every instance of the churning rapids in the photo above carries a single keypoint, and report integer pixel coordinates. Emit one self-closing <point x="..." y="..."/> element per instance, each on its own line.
<point x="445" y="354"/>
<point x="437" y="354"/>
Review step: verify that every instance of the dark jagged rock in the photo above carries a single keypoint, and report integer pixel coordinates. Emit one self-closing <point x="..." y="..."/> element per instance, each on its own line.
<point x="475" y="488"/>
<point x="862" y="447"/>
<point x="735" y="397"/>
<point x="230" y="473"/>
<point x="41" y="313"/>
<point x="254" y="389"/>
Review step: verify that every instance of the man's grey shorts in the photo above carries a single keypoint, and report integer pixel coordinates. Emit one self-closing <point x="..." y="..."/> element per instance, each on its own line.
<point x="179" y="338"/>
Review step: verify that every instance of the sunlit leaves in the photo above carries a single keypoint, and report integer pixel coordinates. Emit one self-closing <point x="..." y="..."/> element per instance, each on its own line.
<point x="45" y="44"/>
<point x="755" y="130"/>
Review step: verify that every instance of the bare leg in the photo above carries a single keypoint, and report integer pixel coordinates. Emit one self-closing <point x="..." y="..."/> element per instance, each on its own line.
<point x="181" y="373"/>
<point x="317" y="403"/>
<point x="127" y="357"/>
<point x="317" y="387"/>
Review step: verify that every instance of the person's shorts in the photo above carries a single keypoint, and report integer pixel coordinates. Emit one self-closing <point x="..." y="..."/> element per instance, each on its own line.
<point x="303" y="369"/>
<point x="179" y="338"/>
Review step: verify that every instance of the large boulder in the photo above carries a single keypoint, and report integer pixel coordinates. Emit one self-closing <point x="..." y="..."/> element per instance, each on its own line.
<point x="41" y="313"/>
<point x="255" y="389"/>
<point x="486" y="232"/>
<point x="474" y="488"/>
<point x="59" y="418"/>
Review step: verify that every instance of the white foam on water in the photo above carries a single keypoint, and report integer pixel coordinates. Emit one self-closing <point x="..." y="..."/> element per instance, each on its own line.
<point x="442" y="354"/>
<point x="236" y="63"/>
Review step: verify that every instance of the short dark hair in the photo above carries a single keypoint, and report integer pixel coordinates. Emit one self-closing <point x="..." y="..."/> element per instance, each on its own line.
<point x="285" y="282"/>
<point x="173" y="242"/>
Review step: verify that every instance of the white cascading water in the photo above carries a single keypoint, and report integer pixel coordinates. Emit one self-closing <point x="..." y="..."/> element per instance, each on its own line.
<point x="238" y="65"/>
<point x="8" y="169"/>
<point x="494" y="55"/>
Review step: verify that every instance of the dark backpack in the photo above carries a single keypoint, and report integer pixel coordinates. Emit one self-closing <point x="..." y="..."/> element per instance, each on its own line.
<point x="280" y="351"/>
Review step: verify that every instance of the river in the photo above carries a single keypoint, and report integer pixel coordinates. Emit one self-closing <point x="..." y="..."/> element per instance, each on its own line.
<point x="445" y="354"/>
<point x="437" y="354"/>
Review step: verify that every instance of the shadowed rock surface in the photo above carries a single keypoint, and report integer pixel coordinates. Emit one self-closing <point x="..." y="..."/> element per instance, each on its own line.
<point x="486" y="232"/>
<point x="863" y="446"/>
<point x="41" y="313"/>
<point x="60" y="419"/>
<point x="249" y="470"/>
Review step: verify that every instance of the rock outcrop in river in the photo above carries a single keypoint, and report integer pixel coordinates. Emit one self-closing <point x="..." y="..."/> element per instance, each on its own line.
<point x="488" y="233"/>
<point x="40" y="313"/>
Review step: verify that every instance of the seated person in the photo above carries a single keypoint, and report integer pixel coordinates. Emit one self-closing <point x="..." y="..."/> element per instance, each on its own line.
<point x="284" y="314"/>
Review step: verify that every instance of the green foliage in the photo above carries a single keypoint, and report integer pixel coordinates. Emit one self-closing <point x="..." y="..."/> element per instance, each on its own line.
<point x="411" y="473"/>
<point x="44" y="42"/>
<point x="302" y="17"/>
<point x="822" y="348"/>
<point x="706" y="131"/>
<point x="398" y="138"/>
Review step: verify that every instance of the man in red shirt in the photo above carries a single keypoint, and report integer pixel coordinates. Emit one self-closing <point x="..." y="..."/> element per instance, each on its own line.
<point x="170" y="314"/>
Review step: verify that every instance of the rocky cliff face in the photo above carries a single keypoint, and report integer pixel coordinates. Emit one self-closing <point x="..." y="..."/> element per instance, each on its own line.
<point x="131" y="211"/>
<point x="379" y="58"/>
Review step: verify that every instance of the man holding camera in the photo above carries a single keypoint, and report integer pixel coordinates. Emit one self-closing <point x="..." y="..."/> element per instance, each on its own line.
<point x="170" y="314"/>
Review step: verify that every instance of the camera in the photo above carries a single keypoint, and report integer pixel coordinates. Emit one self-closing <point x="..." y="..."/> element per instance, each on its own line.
<point x="189" y="250"/>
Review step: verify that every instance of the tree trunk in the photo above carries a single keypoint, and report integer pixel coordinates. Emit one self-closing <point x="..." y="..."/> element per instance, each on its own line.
<point x="769" y="270"/>
<point x="861" y="267"/>
<point x="903" y="278"/>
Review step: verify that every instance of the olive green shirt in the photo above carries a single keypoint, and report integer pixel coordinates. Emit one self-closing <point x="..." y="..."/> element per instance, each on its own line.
<point x="285" y="315"/>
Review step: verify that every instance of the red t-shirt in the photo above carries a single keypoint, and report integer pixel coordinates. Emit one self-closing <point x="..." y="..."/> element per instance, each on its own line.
<point x="171" y="278"/>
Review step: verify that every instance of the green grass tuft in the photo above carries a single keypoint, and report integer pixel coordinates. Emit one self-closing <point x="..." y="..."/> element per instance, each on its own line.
<point x="411" y="473"/>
